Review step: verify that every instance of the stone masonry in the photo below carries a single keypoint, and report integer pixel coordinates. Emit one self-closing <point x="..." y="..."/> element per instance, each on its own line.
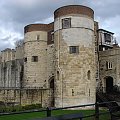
<point x="58" y="63"/>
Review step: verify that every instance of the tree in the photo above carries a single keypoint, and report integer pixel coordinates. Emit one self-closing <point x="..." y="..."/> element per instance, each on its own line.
<point x="19" y="43"/>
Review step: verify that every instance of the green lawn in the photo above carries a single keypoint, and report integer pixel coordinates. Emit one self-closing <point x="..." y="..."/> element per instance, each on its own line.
<point x="29" y="116"/>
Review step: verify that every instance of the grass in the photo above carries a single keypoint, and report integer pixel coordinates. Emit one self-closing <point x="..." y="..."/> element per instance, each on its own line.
<point x="29" y="116"/>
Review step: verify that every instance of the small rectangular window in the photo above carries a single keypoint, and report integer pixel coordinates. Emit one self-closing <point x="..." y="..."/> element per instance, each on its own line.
<point x="108" y="65"/>
<point x="107" y="37"/>
<point x="34" y="58"/>
<point x="38" y="37"/>
<point x="74" y="49"/>
<point x="66" y="23"/>
<point x="52" y="36"/>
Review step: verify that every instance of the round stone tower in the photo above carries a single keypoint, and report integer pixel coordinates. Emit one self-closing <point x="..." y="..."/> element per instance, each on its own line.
<point x="35" y="56"/>
<point x="75" y="56"/>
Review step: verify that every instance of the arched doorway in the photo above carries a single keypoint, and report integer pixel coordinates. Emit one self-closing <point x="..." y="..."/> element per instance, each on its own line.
<point x="52" y="91"/>
<point x="109" y="84"/>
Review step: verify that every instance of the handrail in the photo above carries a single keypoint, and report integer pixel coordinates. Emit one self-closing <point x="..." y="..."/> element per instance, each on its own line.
<point x="49" y="110"/>
<point x="72" y="107"/>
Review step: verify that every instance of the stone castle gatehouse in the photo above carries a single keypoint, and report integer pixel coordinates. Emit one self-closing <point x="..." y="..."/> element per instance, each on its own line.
<point x="58" y="63"/>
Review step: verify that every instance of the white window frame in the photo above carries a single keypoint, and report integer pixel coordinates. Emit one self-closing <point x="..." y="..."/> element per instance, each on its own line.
<point x="109" y="65"/>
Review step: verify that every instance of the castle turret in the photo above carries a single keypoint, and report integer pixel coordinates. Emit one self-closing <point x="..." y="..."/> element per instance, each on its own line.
<point x="35" y="56"/>
<point x="75" y="56"/>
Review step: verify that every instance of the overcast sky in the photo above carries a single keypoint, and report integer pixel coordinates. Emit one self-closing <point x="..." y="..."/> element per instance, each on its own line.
<point x="15" y="14"/>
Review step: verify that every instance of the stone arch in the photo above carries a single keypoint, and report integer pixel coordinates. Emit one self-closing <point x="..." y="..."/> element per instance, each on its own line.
<point x="51" y="82"/>
<point x="108" y="81"/>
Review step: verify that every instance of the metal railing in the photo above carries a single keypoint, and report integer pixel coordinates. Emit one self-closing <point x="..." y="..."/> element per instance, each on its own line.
<point x="49" y="110"/>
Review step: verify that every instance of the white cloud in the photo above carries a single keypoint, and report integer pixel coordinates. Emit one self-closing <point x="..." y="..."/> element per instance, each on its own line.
<point x="24" y="3"/>
<point x="46" y="21"/>
<point x="8" y="38"/>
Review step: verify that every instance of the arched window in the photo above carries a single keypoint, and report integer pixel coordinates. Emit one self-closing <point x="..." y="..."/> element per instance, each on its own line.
<point x="52" y="84"/>
<point x="88" y="75"/>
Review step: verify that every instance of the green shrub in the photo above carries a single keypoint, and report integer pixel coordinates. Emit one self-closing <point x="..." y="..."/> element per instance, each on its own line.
<point x="19" y="108"/>
<point x="2" y="109"/>
<point x="32" y="106"/>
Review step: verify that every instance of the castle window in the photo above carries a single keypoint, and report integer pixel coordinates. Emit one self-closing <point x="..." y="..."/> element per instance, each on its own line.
<point x="25" y="59"/>
<point x="107" y="37"/>
<point x="74" y="49"/>
<point x="88" y="74"/>
<point x="38" y="37"/>
<point x="108" y="65"/>
<point x="72" y="92"/>
<point x="34" y="58"/>
<point x="52" y="36"/>
<point x="57" y="75"/>
<point x="66" y="23"/>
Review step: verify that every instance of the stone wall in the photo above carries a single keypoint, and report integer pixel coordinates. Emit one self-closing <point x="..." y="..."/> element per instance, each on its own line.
<point x="10" y="73"/>
<point x="72" y="85"/>
<point x="96" y="27"/>
<point x="50" y="61"/>
<point x="24" y="96"/>
<point x="11" y="79"/>
<point x="113" y="57"/>
<point x="35" y="72"/>
<point x="19" y="54"/>
<point x="7" y="55"/>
